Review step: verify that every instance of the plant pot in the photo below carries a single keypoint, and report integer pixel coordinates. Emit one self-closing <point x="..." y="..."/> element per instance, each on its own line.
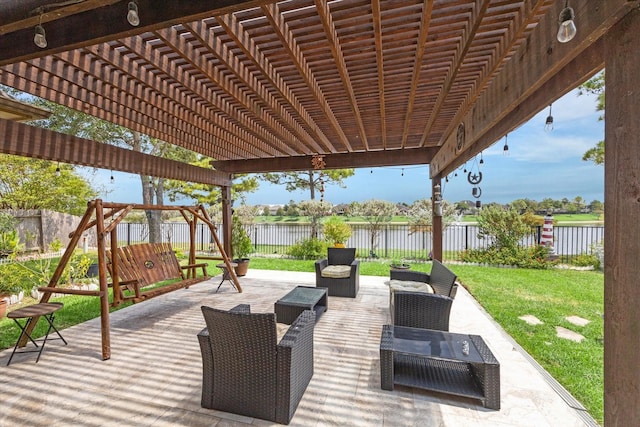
<point x="339" y="245"/>
<point x="242" y="267"/>
<point x="400" y="266"/>
<point x="3" y="307"/>
<point x="92" y="271"/>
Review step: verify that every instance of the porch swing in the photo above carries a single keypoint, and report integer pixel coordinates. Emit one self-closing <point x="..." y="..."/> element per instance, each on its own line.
<point x="135" y="267"/>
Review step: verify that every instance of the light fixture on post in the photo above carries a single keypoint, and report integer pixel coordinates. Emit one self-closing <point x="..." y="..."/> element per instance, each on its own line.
<point x="40" y="37"/>
<point x="132" y="14"/>
<point x="567" y="30"/>
<point x="548" y="124"/>
<point x="437" y="200"/>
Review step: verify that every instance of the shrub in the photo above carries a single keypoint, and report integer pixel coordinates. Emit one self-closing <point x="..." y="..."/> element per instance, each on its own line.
<point x="336" y="230"/>
<point x="504" y="228"/>
<point x="312" y="248"/>
<point x="240" y="241"/>
<point x="529" y="257"/>
<point x="586" y="260"/>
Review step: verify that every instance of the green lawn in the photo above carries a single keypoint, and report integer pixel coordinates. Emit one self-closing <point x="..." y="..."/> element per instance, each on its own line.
<point x="506" y="294"/>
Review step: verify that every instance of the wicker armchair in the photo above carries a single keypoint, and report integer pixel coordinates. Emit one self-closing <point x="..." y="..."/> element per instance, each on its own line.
<point x="341" y="286"/>
<point x="245" y="371"/>
<point x="441" y="279"/>
<point x="421" y="310"/>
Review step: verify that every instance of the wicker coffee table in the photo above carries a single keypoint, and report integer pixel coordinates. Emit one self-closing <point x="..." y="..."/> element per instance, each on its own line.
<point x="445" y="362"/>
<point x="301" y="298"/>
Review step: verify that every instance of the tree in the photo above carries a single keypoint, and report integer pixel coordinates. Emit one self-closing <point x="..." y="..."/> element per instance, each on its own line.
<point x="376" y="213"/>
<point x="596" y="206"/>
<point x="71" y="122"/>
<point x="505" y="228"/>
<point x="420" y="215"/>
<point x="315" y="210"/>
<point x="27" y="183"/>
<point x="311" y="179"/>
<point x="210" y="194"/>
<point x="596" y="86"/>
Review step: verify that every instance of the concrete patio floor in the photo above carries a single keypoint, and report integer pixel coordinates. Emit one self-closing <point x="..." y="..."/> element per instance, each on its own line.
<point x="154" y="375"/>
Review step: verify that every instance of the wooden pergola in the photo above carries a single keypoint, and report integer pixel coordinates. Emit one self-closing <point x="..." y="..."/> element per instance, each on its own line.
<point x="268" y="86"/>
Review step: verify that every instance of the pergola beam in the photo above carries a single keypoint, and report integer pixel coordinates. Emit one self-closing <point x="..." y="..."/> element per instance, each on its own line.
<point x="371" y="159"/>
<point x="544" y="57"/>
<point x="29" y="141"/>
<point x="100" y="24"/>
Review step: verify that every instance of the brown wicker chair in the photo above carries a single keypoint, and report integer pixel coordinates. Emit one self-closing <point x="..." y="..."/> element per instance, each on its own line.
<point x="245" y="371"/>
<point x="421" y="310"/>
<point x="340" y="287"/>
<point x="441" y="279"/>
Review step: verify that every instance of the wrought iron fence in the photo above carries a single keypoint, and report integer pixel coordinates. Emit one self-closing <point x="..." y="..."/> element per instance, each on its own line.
<point x="392" y="241"/>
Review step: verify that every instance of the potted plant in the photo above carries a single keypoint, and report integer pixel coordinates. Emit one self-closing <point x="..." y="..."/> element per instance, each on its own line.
<point x="240" y="246"/>
<point x="398" y="264"/>
<point x="336" y="231"/>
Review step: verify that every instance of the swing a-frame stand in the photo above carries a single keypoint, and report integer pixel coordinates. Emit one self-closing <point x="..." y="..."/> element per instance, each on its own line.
<point x="137" y="266"/>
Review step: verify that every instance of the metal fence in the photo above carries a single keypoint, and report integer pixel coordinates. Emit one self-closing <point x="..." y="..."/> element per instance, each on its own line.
<point x="392" y="241"/>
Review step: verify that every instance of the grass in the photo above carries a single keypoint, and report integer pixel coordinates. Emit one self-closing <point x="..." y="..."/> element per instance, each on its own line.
<point x="506" y="294"/>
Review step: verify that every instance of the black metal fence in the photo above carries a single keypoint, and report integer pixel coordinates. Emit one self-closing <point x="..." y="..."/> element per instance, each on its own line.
<point x="393" y="241"/>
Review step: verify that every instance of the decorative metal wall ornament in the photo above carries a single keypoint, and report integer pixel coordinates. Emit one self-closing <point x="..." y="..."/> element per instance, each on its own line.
<point x="460" y="138"/>
<point x="318" y="162"/>
<point x="474" y="179"/>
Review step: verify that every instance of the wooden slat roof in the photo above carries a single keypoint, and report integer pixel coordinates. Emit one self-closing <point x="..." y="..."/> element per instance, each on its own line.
<point x="267" y="85"/>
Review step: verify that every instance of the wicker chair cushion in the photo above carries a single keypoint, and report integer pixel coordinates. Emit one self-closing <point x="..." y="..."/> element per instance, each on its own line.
<point x="336" y="271"/>
<point x="410" y="286"/>
<point x="281" y="329"/>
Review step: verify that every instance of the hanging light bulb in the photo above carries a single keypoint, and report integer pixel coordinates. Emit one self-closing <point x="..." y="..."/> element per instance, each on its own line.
<point x="567" y="30"/>
<point x="132" y="14"/>
<point x="112" y="179"/>
<point x="481" y="159"/>
<point x="402" y="174"/>
<point x="58" y="170"/>
<point x="40" y="37"/>
<point x="505" y="149"/>
<point x="548" y="124"/>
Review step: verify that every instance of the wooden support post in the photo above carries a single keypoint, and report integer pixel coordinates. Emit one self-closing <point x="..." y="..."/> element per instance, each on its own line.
<point x="622" y="239"/>
<point x="102" y="274"/>
<point x="193" y="222"/>
<point x="64" y="260"/>
<point x="436" y="227"/>
<point x="115" y="280"/>
<point x="226" y="219"/>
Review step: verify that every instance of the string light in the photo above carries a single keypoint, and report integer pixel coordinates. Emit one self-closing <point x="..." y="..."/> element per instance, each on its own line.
<point x="112" y="179"/>
<point x="58" y="170"/>
<point x="132" y="14"/>
<point x="481" y="159"/>
<point x="402" y="174"/>
<point x="505" y="149"/>
<point x="567" y="30"/>
<point x="40" y="37"/>
<point x="548" y="125"/>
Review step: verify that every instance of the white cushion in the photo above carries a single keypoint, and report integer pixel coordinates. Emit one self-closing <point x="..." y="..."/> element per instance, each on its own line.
<point x="336" y="271"/>
<point x="410" y="286"/>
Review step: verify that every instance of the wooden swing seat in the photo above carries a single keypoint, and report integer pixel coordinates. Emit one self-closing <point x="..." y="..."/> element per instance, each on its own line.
<point x="141" y="265"/>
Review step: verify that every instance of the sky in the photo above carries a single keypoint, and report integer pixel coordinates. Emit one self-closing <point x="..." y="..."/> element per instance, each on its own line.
<point x="538" y="164"/>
